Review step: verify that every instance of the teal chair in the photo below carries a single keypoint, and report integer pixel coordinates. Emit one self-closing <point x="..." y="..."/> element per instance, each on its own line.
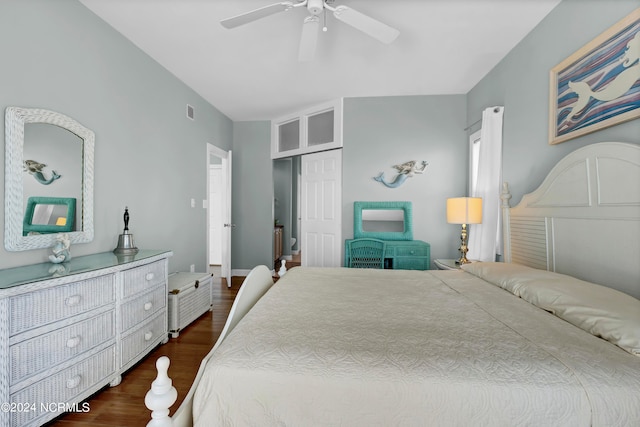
<point x="366" y="253"/>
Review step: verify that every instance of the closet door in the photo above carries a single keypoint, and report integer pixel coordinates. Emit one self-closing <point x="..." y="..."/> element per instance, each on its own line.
<point x="321" y="235"/>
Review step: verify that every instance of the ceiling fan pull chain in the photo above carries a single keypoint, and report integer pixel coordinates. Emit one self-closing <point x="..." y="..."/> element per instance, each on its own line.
<point x="324" y="19"/>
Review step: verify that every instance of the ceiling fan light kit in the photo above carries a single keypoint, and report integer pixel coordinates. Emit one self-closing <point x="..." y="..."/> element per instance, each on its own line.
<point x="315" y="7"/>
<point x="309" y="36"/>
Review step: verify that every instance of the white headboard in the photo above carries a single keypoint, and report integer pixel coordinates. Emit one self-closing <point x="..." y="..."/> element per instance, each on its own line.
<point x="584" y="219"/>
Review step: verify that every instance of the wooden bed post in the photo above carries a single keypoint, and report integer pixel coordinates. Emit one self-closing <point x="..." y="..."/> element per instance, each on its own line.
<point x="505" y="196"/>
<point x="161" y="396"/>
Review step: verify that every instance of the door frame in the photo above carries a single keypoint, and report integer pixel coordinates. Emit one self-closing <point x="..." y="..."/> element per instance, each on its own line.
<point x="226" y="225"/>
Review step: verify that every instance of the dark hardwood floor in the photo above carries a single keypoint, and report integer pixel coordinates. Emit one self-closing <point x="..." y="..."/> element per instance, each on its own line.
<point x="123" y="405"/>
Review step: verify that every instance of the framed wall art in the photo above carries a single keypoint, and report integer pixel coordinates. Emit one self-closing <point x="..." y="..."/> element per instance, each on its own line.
<point x="599" y="85"/>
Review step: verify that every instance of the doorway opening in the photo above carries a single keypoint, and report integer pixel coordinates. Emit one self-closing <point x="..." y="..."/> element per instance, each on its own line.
<point x="219" y="224"/>
<point x="286" y="212"/>
<point x="307" y="209"/>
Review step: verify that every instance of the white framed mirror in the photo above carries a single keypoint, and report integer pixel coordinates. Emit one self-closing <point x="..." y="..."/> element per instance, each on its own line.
<point x="31" y="133"/>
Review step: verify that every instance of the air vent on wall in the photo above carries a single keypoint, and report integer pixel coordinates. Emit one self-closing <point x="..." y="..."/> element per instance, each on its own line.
<point x="190" y="112"/>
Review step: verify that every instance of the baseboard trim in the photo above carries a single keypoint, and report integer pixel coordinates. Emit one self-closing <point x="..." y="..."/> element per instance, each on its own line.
<point x="239" y="272"/>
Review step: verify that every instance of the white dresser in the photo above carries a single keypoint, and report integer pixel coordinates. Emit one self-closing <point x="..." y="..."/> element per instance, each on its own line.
<point x="67" y="330"/>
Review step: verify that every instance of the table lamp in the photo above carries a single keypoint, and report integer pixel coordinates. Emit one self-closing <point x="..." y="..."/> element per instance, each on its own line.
<point x="464" y="210"/>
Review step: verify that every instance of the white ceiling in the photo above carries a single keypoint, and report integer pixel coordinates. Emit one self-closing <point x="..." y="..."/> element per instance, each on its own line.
<point x="252" y="72"/>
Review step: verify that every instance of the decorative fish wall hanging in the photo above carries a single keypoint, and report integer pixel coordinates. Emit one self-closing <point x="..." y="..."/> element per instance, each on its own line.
<point x="608" y="86"/>
<point x="35" y="169"/>
<point x="405" y="170"/>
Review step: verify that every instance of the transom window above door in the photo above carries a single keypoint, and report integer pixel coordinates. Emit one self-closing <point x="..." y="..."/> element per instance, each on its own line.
<point x="317" y="128"/>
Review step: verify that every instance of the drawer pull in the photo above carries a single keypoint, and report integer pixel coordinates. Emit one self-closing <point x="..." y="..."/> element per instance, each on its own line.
<point x="148" y="306"/>
<point x="148" y="335"/>
<point x="74" y="382"/>
<point x="149" y="277"/>
<point x="73" y="342"/>
<point x="73" y="300"/>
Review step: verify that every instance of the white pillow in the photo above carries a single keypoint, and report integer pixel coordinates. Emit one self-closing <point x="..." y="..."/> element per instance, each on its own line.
<point x="602" y="311"/>
<point x="506" y="275"/>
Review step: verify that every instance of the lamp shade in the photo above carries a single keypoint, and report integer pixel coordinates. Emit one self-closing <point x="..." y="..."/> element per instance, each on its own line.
<point x="464" y="210"/>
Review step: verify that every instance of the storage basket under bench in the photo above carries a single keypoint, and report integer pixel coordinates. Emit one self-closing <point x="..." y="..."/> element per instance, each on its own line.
<point x="190" y="296"/>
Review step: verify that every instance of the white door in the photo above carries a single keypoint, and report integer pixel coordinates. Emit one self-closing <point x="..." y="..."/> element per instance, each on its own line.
<point x="226" y="216"/>
<point x="219" y="224"/>
<point x="215" y="214"/>
<point x="321" y="225"/>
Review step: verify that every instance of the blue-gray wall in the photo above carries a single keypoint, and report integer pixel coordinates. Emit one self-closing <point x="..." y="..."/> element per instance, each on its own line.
<point x="252" y="200"/>
<point x="520" y="82"/>
<point x="380" y="132"/>
<point x="149" y="156"/>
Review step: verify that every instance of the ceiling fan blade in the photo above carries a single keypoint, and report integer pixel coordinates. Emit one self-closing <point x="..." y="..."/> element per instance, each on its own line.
<point x="309" y="39"/>
<point x="256" y="14"/>
<point x="366" y="24"/>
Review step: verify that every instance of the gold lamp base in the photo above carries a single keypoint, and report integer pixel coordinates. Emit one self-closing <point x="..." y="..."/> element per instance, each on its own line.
<point x="463" y="246"/>
<point x="464" y="210"/>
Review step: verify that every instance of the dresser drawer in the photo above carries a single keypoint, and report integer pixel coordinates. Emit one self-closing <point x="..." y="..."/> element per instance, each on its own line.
<point x="410" y="263"/>
<point x="141" y="308"/>
<point x="39" y="308"/>
<point x="138" y="342"/>
<point x="38" y="354"/>
<point x="64" y="386"/>
<point x="412" y="251"/>
<point x="143" y="278"/>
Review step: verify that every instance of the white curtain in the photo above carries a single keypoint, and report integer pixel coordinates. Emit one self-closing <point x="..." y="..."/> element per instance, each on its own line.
<point x="485" y="240"/>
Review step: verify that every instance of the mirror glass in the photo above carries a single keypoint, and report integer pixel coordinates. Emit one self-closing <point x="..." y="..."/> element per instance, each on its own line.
<point x="49" y="156"/>
<point x="387" y="220"/>
<point x="52" y="165"/>
<point x="49" y="214"/>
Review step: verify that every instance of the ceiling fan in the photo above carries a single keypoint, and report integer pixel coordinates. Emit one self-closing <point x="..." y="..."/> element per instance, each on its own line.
<point x="309" y="38"/>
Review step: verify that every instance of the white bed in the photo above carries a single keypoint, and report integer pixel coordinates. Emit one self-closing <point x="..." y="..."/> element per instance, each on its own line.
<point x="355" y="347"/>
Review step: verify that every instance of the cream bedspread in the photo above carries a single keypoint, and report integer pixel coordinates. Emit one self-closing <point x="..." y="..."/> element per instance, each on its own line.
<point x="353" y="347"/>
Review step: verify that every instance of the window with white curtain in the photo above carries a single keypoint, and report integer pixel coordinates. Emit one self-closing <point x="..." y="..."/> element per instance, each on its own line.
<point x="474" y="158"/>
<point x="485" y="181"/>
